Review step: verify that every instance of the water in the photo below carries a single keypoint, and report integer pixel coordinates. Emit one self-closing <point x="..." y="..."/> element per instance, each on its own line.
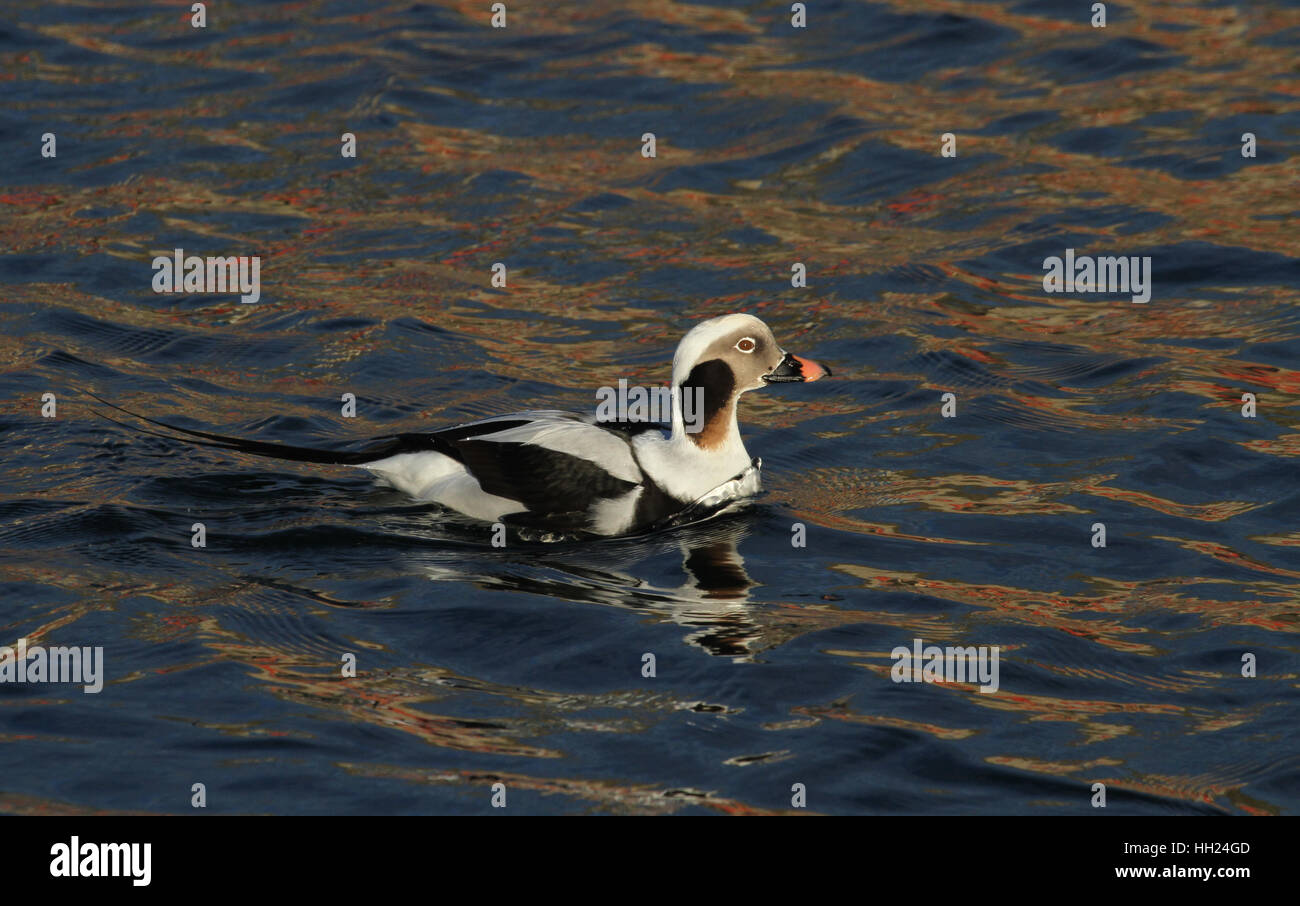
<point x="1119" y="665"/>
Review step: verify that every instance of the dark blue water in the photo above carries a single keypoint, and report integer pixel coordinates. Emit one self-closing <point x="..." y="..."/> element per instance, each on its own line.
<point x="1120" y="665"/>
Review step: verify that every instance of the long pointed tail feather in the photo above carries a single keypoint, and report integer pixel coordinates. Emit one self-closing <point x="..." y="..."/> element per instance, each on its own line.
<point x="381" y="447"/>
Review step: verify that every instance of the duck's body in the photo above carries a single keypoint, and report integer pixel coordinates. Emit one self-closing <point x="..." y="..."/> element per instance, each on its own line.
<point x="556" y="471"/>
<point x="568" y="474"/>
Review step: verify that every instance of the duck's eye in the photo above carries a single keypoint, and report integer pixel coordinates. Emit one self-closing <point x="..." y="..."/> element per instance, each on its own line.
<point x="746" y="345"/>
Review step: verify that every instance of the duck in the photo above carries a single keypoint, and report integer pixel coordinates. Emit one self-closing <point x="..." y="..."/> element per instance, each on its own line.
<point x="561" y="475"/>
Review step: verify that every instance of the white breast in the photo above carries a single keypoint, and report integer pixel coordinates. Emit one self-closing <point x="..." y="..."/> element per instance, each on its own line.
<point x="685" y="471"/>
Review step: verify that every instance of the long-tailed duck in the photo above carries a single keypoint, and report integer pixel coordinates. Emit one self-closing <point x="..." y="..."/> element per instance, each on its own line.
<point x="563" y="474"/>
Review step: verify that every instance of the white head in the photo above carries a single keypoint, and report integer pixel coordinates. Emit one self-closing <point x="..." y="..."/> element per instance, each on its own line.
<point x="722" y="358"/>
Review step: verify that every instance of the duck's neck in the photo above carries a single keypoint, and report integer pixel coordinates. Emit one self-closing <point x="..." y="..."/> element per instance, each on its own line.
<point x="704" y="413"/>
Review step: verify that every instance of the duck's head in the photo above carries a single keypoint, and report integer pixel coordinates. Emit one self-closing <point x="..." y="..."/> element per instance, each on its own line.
<point x="727" y="356"/>
<point x="743" y="346"/>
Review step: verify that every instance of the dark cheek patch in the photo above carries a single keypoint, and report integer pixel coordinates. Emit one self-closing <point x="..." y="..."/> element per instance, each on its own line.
<point x="719" y="385"/>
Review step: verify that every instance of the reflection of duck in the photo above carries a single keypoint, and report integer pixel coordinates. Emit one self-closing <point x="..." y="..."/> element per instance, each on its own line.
<point x="718" y="576"/>
<point x="714" y="598"/>
<point x="556" y="474"/>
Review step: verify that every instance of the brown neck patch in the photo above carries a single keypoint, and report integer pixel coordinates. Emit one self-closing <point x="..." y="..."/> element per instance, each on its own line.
<point x="719" y="386"/>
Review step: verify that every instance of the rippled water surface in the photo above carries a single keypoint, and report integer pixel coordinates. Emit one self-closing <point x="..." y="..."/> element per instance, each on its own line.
<point x="775" y="145"/>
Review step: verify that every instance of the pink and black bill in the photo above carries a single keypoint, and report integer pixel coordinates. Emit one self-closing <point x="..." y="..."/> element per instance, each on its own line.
<point x="796" y="368"/>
